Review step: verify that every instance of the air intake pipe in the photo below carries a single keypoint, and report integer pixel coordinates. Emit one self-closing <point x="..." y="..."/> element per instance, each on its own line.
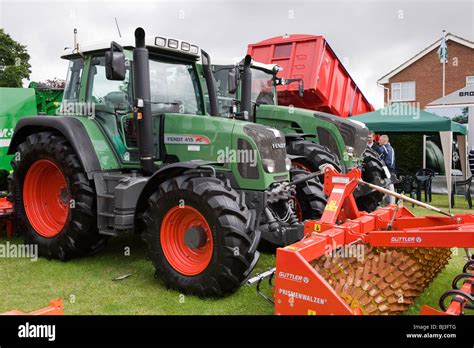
<point x="210" y="82"/>
<point x="246" y="87"/>
<point x="142" y="105"/>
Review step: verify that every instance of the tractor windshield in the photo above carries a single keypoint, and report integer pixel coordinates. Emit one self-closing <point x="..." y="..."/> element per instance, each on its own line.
<point x="174" y="88"/>
<point x="263" y="91"/>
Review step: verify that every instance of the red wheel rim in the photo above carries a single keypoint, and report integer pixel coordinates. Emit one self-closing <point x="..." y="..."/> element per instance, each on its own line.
<point x="183" y="258"/>
<point x="46" y="198"/>
<point x="300" y="165"/>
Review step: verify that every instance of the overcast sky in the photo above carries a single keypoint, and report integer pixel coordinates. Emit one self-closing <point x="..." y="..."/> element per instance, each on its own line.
<point x="372" y="37"/>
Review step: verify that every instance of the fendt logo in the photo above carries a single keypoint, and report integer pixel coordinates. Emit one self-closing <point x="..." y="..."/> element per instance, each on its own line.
<point x="406" y="240"/>
<point x="293" y="277"/>
<point x="279" y="145"/>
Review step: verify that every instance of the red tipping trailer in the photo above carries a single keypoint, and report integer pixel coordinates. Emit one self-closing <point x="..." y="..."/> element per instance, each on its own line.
<point x="328" y="86"/>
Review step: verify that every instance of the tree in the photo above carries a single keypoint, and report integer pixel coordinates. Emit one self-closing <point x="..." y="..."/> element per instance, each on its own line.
<point x="14" y="61"/>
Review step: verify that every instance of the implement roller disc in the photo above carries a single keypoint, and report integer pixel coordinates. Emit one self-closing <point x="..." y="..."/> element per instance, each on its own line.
<point x="387" y="281"/>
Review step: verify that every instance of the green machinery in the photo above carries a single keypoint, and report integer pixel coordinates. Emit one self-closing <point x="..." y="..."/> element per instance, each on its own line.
<point x="16" y="103"/>
<point x="247" y="90"/>
<point x="133" y="149"/>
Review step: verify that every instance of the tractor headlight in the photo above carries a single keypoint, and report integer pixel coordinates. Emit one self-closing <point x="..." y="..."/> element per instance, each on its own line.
<point x="172" y="43"/>
<point x="288" y="163"/>
<point x="349" y="153"/>
<point x="160" y="41"/>
<point x="269" y="165"/>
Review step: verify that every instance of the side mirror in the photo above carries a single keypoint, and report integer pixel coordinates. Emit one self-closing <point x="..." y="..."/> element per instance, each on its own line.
<point x="232" y="81"/>
<point x="115" y="63"/>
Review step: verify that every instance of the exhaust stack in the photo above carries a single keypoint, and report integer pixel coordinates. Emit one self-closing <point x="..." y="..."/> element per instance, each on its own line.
<point x="246" y="87"/>
<point x="142" y="106"/>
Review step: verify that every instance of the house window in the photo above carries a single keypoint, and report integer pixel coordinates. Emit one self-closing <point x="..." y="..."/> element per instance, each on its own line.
<point x="403" y="91"/>
<point x="469" y="80"/>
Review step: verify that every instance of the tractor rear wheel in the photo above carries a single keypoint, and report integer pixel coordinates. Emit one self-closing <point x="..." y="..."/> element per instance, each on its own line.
<point x="54" y="201"/>
<point x="3" y="180"/>
<point x="310" y="200"/>
<point x="314" y="155"/>
<point x="198" y="237"/>
<point x="374" y="173"/>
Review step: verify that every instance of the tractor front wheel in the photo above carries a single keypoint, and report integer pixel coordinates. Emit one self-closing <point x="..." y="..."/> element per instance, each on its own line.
<point x="54" y="200"/>
<point x="198" y="236"/>
<point x="310" y="200"/>
<point x="313" y="156"/>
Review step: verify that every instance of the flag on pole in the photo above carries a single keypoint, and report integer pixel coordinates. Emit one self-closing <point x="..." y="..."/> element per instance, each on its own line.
<point x="443" y="49"/>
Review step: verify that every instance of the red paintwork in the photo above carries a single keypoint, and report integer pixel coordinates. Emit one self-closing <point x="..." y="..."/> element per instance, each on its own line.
<point x="6" y="214"/>
<point x="328" y="85"/>
<point x="312" y="294"/>
<point x="184" y="259"/>
<point x="46" y="198"/>
<point x="56" y="307"/>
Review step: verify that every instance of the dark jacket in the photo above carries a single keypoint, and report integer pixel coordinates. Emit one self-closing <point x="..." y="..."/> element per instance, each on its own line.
<point x="388" y="156"/>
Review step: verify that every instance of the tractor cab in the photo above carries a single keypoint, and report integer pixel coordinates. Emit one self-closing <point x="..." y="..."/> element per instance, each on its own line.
<point x="174" y="85"/>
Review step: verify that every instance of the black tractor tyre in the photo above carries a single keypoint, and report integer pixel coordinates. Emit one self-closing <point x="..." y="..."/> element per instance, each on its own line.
<point x="314" y="155"/>
<point x="3" y="180"/>
<point x="310" y="197"/>
<point x="374" y="173"/>
<point x="79" y="235"/>
<point x="234" y="243"/>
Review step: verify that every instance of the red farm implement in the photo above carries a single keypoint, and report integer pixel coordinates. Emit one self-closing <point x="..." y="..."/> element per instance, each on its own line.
<point x="55" y="307"/>
<point x="317" y="275"/>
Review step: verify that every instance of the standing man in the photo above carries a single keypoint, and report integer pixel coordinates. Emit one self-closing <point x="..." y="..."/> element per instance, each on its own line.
<point x="388" y="156"/>
<point x="388" y="153"/>
<point x="372" y="144"/>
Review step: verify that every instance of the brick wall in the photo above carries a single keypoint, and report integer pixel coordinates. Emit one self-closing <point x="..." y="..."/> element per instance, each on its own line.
<point x="428" y="73"/>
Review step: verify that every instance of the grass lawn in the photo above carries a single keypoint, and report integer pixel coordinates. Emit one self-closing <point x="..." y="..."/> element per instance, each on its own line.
<point x="87" y="288"/>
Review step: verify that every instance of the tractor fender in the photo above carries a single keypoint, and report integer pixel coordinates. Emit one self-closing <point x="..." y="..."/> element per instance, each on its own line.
<point x="69" y="127"/>
<point x="164" y="173"/>
<point x="295" y="157"/>
<point x="297" y="136"/>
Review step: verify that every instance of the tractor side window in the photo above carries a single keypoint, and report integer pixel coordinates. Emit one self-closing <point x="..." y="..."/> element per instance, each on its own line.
<point x="174" y="88"/>
<point x="262" y="88"/>
<point x="111" y="100"/>
<point x="107" y="95"/>
<point x="73" y="80"/>
<point x="225" y="100"/>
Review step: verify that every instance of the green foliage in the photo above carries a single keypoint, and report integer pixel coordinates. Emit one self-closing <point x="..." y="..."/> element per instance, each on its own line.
<point x="408" y="150"/>
<point x="463" y="118"/>
<point x="14" y="60"/>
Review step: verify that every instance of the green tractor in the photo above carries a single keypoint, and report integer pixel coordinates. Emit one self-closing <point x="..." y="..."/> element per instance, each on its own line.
<point x="133" y="149"/>
<point x="247" y="90"/>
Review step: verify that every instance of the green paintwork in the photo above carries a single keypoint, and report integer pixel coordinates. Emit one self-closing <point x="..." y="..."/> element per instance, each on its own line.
<point x="222" y="133"/>
<point x="296" y="120"/>
<point x="48" y="100"/>
<point x="104" y="151"/>
<point x="15" y="103"/>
